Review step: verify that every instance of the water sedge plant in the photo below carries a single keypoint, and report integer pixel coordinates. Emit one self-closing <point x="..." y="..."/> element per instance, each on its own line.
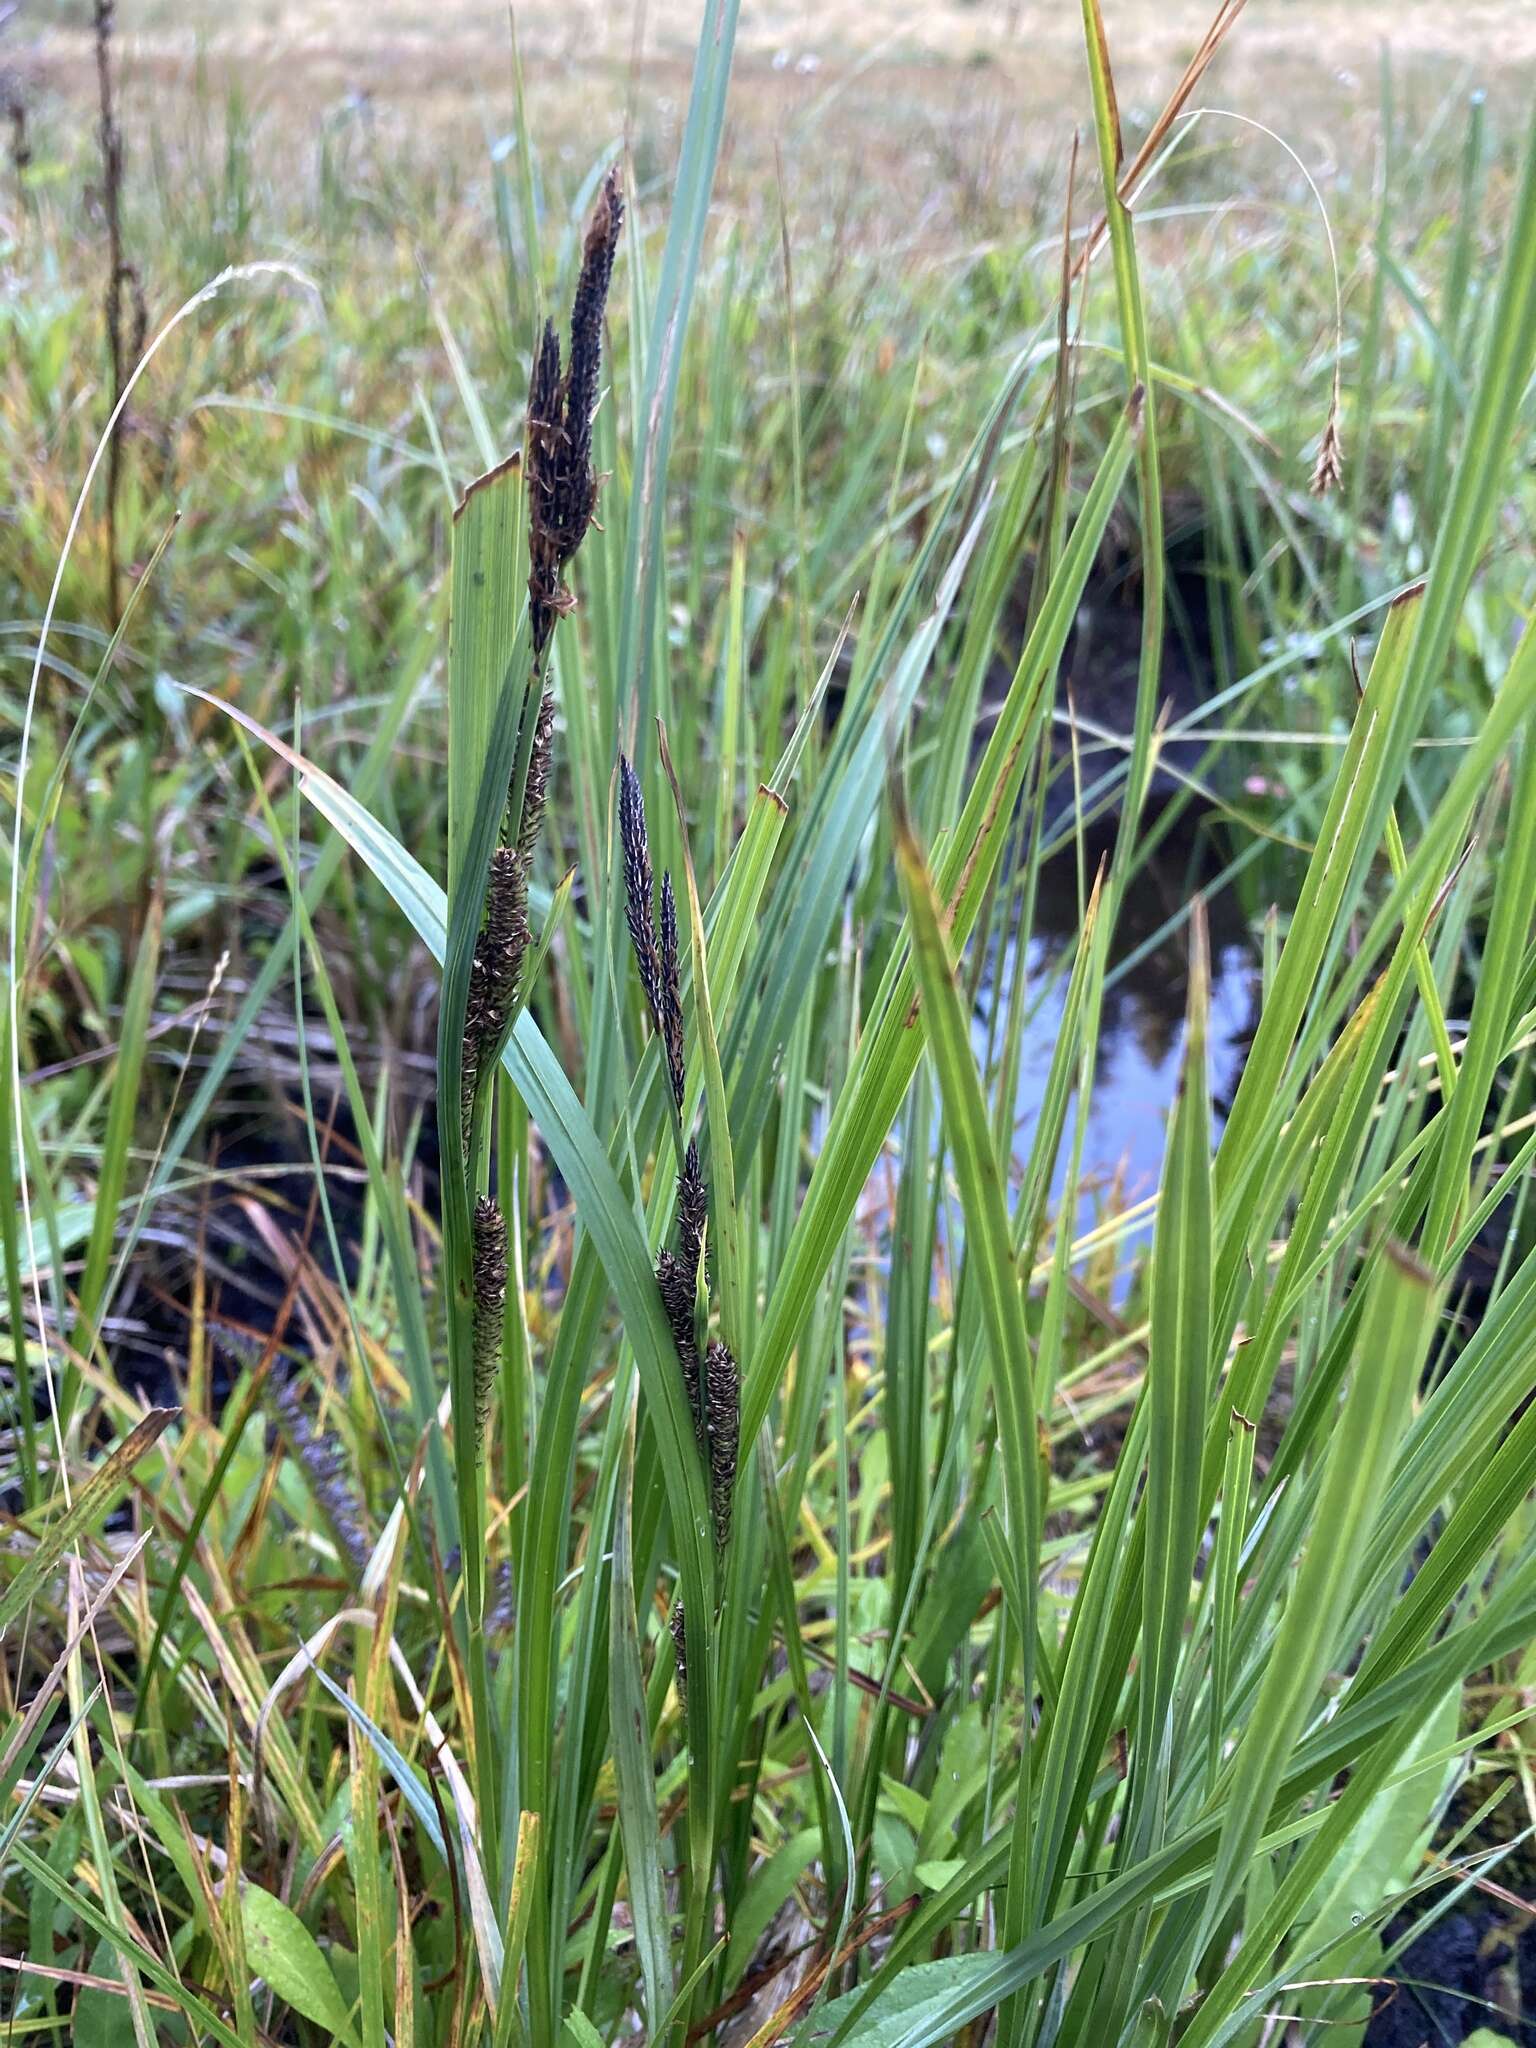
<point x="713" y="1538"/>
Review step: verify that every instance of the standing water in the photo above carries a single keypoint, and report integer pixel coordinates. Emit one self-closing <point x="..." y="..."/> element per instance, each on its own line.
<point x="1141" y="1025"/>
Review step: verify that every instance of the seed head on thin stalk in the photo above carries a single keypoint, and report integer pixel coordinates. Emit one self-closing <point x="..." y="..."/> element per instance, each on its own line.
<point x="1328" y="469"/>
<point x="677" y="1281"/>
<point x="587" y="310"/>
<point x="656" y="956"/>
<point x="536" y="788"/>
<point x="692" y="1210"/>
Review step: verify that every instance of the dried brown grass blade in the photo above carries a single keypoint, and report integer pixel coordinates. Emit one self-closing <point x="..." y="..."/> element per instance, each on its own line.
<point x="1221" y="27"/>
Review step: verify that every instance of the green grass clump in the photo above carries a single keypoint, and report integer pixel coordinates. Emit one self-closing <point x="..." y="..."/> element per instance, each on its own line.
<point x="621" y="1545"/>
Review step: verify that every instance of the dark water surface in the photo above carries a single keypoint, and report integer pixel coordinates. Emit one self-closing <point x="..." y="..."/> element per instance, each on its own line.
<point x="1142" y="1022"/>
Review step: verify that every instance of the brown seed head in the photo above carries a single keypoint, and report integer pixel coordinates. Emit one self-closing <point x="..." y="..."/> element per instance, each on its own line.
<point x="1328" y="470"/>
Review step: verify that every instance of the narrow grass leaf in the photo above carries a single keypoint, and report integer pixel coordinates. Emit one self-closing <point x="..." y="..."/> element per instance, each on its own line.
<point x="94" y="1499"/>
<point x="632" y="1764"/>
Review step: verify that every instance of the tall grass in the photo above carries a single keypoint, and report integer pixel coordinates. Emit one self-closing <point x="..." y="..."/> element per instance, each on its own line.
<point x="483" y="1696"/>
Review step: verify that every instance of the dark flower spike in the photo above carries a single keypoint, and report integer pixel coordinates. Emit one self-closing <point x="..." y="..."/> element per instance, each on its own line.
<point x="657" y="964"/>
<point x="323" y="1465"/>
<point x="722" y="1393"/>
<point x="713" y="1385"/>
<point x="692" y="1205"/>
<point x="671" y="998"/>
<point x="676" y="1285"/>
<point x="562" y="491"/>
<point x="587" y="311"/>
<point x="677" y="1273"/>
<point x="496" y="968"/>
<point x="546" y="431"/>
<point x="562" y="486"/>
<point x="636" y="848"/>
<point x="490" y="1282"/>
<point x="536" y="788"/>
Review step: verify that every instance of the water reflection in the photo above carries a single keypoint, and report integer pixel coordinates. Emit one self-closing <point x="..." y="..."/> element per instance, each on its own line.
<point x="1141" y="1036"/>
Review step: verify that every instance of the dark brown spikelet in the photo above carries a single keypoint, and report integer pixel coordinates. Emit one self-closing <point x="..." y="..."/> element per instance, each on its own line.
<point x="546" y="432"/>
<point x="692" y="1207"/>
<point x="722" y="1425"/>
<point x="671" y="995"/>
<point x="496" y="968"/>
<point x="490" y="1283"/>
<point x="536" y="788"/>
<point x="587" y="311"/>
<point x="635" y="845"/>
<point x="1328" y="470"/>
<point x="675" y="1283"/>
<point x="321" y="1460"/>
<point x="677" y="1276"/>
<point x="680" y="1645"/>
<point x="562" y="489"/>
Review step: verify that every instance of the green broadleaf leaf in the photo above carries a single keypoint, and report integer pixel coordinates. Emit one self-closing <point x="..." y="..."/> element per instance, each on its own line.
<point x="905" y="2000"/>
<point x="281" y="1950"/>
